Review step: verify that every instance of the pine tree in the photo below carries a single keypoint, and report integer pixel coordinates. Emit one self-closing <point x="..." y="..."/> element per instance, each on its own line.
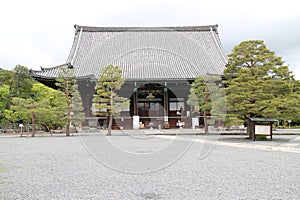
<point x="77" y="108"/>
<point x="258" y="83"/>
<point x="106" y="101"/>
<point x="66" y="82"/>
<point x="21" y="82"/>
<point x="200" y="98"/>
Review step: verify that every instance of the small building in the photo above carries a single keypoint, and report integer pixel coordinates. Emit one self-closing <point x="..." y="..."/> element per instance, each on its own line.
<point x="158" y="63"/>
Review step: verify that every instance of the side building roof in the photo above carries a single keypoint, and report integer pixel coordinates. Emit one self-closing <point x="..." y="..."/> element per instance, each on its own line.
<point x="145" y="53"/>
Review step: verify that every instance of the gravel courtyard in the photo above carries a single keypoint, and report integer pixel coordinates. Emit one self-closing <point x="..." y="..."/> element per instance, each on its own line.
<point x="94" y="166"/>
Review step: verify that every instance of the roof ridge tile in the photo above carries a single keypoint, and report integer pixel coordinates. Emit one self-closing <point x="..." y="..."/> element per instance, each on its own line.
<point x="145" y="28"/>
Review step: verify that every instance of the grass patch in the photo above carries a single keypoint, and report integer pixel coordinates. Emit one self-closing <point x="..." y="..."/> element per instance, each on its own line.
<point x="261" y="137"/>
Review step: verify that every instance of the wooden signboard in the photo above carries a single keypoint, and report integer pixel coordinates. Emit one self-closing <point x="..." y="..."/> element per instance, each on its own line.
<point x="260" y="126"/>
<point x="263" y="130"/>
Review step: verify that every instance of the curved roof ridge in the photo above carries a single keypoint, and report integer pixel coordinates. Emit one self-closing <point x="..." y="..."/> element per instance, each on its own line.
<point x="77" y="45"/>
<point x="88" y="77"/>
<point x="43" y="69"/>
<point x="52" y="72"/>
<point x="219" y="46"/>
<point x="145" y="28"/>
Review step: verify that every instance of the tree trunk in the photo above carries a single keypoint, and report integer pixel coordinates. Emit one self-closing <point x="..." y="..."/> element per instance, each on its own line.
<point x="110" y="113"/>
<point x="205" y="122"/>
<point x="33" y="124"/>
<point x="110" y="124"/>
<point x="68" y="124"/>
<point x="205" y="111"/>
<point x="75" y="127"/>
<point x="49" y="129"/>
<point x="247" y="119"/>
<point x="68" y="109"/>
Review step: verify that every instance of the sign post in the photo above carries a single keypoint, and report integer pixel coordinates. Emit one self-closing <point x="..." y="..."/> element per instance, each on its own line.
<point x="21" y="126"/>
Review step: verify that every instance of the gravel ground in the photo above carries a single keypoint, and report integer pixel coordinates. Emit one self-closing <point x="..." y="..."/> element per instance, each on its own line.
<point x="148" y="167"/>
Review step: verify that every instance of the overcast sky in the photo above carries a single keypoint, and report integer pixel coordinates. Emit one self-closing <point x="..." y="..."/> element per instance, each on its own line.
<point x="38" y="33"/>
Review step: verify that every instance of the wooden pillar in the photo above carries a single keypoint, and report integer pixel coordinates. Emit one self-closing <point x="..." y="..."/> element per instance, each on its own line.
<point x="135" y="102"/>
<point x="166" y="103"/>
<point x="136" y="118"/>
<point x="271" y="129"/>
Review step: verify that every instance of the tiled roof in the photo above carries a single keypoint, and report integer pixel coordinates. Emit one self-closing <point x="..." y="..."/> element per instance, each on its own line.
<point x="48" y="73"/>
<point x="146" y="53"/>
<point x="53" y="72"/>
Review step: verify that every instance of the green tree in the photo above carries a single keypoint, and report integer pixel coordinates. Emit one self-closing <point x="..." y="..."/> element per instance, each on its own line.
<point x="77" y="108"/>
<point x="258" y="83"/>
<point x="52" y="109"/>
<point x="6" y="77"/>
<point x="106" y="101"/>
<point x="4" y="103"/>
<point x="45" y="108"/>
<point x="218" y="99"/>
<point x="11" y="116"/>
<point x="21" y="82"/>
<point x="25" y="110"/>
<point x="200" y="99"/>
<point x="66" y="82"/>
<point x="17" y="82"/>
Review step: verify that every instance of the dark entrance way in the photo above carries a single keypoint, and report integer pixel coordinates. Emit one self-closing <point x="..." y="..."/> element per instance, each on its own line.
<point x="154" y="105"/>
<point x="151" y="103"/>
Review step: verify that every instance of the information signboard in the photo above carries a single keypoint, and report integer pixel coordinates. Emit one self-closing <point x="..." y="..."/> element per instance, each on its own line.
<point x="262" y="129"/>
